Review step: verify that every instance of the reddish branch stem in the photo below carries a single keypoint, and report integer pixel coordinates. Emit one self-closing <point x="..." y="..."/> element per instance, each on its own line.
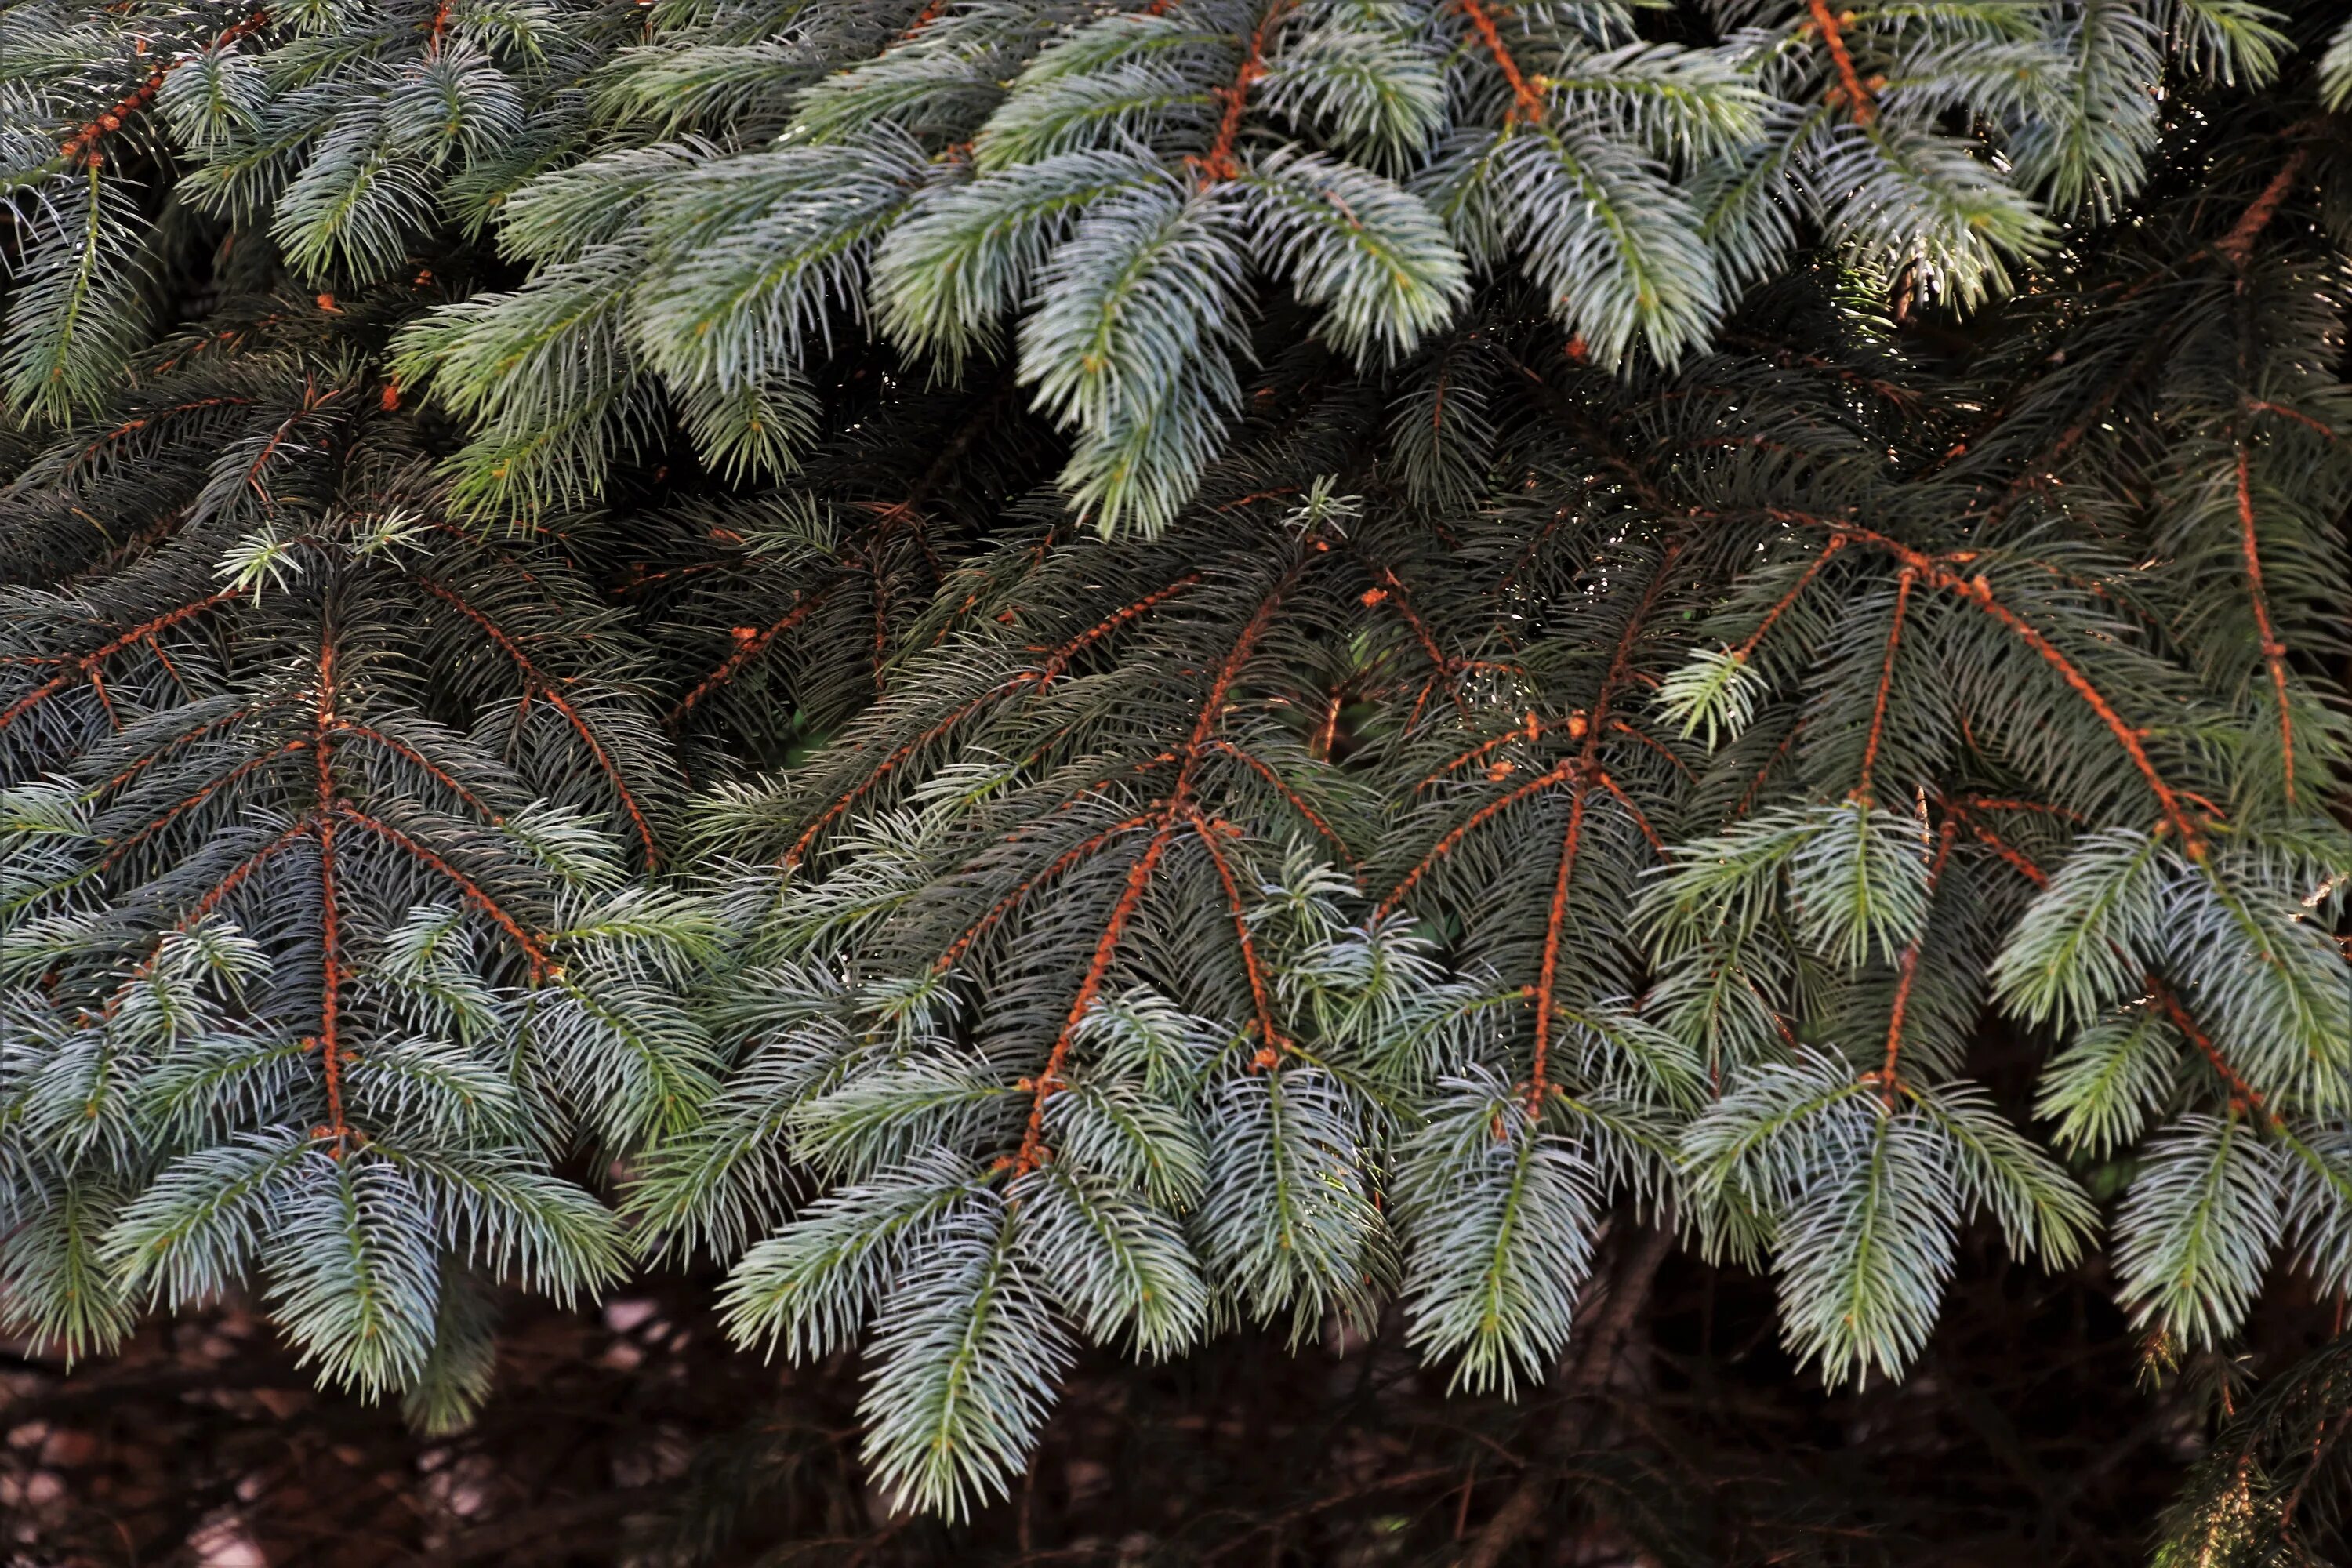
<point x="2238" y="245"/>
<point x="1539" y="1067"/>
<point x="2039" y="808"/>
<point x="1012" y="900"/>
<point x="184" y="738"/>
<point x="148" y="829"/>
<point x="1039" y="678"/>
<point x="419" y="760"/>
<point x="572" y="716"/>
<point x="1531" y="729"/>
<point x="330" y="984"/>
<point x="331" y="979"/>
<point x="1771" y="616"/>
<point x="1565" y="768"/>
<point x="1326" y="733"/>
<point x="747" y="648"/>
<point x="1060" y="660"/>
<point x="1643" y="738"/>
<point x="541" y="963"/>
<point x="1978" y="591"/>
<point x="1886" y="684"/>
<point x="1527" y="102"/>
<point x="1617" y="793"/>
<point x="312" y="401"/>
<point x="1577" y="771"/>
<point x="84" y="666"/>
<point x="1270" y="1039"/>
<point x="2016" y="858"/>
<point x="1139" y="878"/>
<point x="132" y="427"/>
<point x="1218" y="164"/>
<point x="2242" y="1091"/>
<point x="2273" y="651"/>
<point x="1394" y="590"/>
<point x="873" y="781"/>
<point x="1295" y="800"/>
<point x="214" y="897"/>
<point x="538" y="683"/>
<point x="1908" y="971"/>
<point x="1857" y="97"/>
<point x="82" y="145"/>
<point x="1588" y="765"/>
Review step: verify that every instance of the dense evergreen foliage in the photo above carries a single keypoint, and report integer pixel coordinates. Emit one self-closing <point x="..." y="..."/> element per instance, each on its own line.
<point x="1061" y="678"/>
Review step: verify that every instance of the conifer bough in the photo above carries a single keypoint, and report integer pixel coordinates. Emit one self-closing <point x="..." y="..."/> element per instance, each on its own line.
<point x="1055" y="673"/>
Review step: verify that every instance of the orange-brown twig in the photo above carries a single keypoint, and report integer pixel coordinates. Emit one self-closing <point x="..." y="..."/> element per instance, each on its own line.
<point x="1055" y="664"/>
<point x="1886" y="684"/>
<point x="155" y="824"/>
<point x="1975" y="591"/>
<point x="314" y="399"/>
<point x="132" y="427"/>
<point x="1587" y="765"/>
<point x="419" y="760"/>
<point x="538" y="683"/>
<point x="1771" y="616"/>
<point x="1643" y="737"/>
<point x="1049" y="1080"/>
<point x="1539" y="1067"/>
<point x="2274" y="650"/>
<point x="1012" y="900"/>
<point x="1392" y="591"/>
<point x="611" y="770"/>
<point x="2039" y="808"/>
<point x="2016" y="858"/>
<point x="1907" y="972"/>
<point x="1526" y="102"/>
<point x="1564" y="769"/>
<point x="2238" y="245"/>
<point x="1640" y="820"/>
<point x="330" y="983"/>
<point x="1261" y="997"/>
<point x="1060" y="659"/>
<point x="1178" y="804"/>
<point x="1290" y="796"/>
<point x="85" y="665"/>
<point x="1530" y="729"/>
<point x="2263" y="406"/>
<point x="541" y="962"/>
<point x="1326" y="728"/>
<point x="2240" y="1090"/>
<point x="212" y="899"/>
<point x="873" y="781"/>
<point x="185" y="737"/>
<point x="1857" y="97"/>
<point x="1443" y="666"/>
<point x="1219" y="163"/>
<point x="82" y="145"/>
<point x="746" y="649"/>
